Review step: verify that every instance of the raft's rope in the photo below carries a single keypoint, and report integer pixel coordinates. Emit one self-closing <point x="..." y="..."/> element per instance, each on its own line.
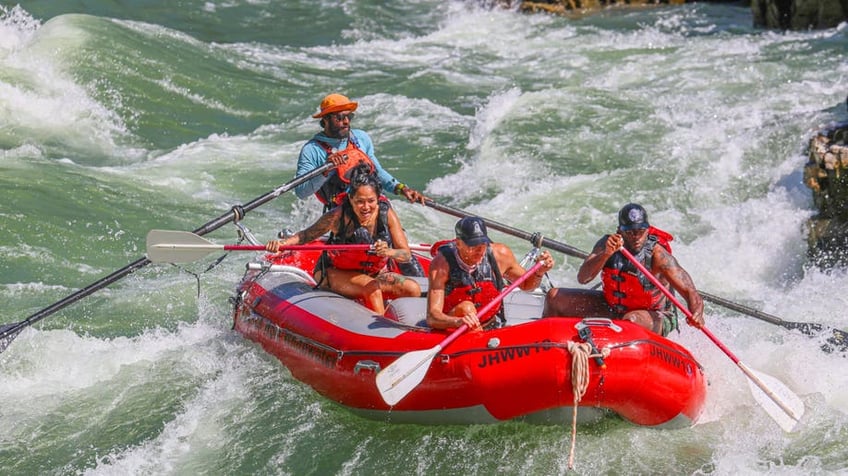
<point x="580" y="354"/>
<point x="214" y="263"/>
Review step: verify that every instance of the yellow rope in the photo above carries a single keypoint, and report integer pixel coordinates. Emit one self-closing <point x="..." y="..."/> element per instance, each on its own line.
<point x="580" y="354"/>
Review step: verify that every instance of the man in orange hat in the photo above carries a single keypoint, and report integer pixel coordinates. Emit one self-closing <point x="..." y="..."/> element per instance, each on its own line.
<point x="346" y="148"/>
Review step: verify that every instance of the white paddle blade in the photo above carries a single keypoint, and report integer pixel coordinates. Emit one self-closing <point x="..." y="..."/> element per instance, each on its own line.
<point x="167" y="246"/>
<point x="398" y="379"/>
<point x="788" y="412"/>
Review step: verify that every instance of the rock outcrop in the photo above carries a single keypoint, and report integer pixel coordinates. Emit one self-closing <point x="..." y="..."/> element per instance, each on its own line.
<point x="799" y="14"/>
<point x="772" y="14"/>
<point x="826" y="174"/>
<point x="580" y="7"/>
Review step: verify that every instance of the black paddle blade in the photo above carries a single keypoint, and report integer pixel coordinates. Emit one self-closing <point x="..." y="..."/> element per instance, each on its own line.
<point x="8" y="332"/>
<point x="838" y="341"/>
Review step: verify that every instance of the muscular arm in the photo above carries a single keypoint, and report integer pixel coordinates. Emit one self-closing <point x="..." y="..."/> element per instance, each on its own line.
<point x="594" y="263"/>
<point x="666" y="266"/>
<point x="511" y="269"/>
<point x="438" y="278"/>
<point x="328" y="221"/>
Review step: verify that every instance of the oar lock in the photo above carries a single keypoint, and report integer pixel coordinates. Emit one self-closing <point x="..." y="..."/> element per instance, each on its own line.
<point x="536" y="239"/>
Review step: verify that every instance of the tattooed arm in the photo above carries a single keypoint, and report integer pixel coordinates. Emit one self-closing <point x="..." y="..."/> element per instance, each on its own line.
<point x="400" y="247"/>
<point x="666" y="266"/>
<point x="328" y="221"/>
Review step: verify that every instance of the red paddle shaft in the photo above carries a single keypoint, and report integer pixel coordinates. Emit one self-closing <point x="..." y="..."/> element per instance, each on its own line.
<point x="297" y="247"/>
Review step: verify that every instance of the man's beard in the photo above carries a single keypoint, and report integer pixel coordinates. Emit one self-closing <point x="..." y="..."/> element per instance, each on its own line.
<point x="335" y="132"/>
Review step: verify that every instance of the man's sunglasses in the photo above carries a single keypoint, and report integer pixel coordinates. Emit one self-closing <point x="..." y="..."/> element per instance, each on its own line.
<point x="339" y="117"/>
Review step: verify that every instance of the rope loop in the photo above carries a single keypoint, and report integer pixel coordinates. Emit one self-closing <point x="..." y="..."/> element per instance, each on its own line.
<point x="580" y="352"/>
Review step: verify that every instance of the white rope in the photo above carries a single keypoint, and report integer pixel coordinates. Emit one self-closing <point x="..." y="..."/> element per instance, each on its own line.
<point x="580" y="354"/>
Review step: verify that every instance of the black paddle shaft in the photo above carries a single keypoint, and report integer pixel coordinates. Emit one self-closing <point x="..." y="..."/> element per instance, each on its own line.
<point x="838" y="341"/>
<point x="9" y="331"/>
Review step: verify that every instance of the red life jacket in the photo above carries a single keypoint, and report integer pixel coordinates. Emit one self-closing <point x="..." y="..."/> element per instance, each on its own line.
<point x="331" y="193"/>
<point x="480" y="286"/>
<point x="434" y="248"/>
<point x="351" y="232"/>
<point x="625" y="287"/>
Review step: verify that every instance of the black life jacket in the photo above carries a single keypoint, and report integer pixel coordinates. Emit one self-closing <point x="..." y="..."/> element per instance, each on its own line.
<point x="350" y="231"/>
<point x="480" y="286"/>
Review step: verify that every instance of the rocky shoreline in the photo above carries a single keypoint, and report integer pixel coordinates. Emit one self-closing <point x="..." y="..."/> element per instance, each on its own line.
<point x="769" y="14"/>
<point x="576" y="8"/>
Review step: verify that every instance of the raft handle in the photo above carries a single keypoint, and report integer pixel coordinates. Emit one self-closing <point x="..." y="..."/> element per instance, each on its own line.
<point x="597" y="321"/>
<point x="366" y="365"/>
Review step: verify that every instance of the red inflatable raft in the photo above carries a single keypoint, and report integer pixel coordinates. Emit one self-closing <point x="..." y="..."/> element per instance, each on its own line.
<point x="520" y="371"/>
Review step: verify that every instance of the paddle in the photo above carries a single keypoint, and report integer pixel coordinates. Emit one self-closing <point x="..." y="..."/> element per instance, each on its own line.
<point x="404" y="374"/>
<point x="789" y="407"/>
<point x="8" y="332"/>
<point x="167" y="246"/>
<point x="838" y="339"/>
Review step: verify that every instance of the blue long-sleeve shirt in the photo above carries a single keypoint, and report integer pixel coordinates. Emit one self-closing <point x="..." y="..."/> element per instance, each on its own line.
<point x="313" y="156"/>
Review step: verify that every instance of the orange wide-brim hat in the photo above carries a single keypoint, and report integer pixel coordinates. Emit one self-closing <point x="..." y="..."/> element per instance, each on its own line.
<point x="335" y="103"/>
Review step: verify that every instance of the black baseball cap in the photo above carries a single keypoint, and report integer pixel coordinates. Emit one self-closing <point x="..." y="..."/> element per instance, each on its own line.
<point x="632" y="216"/>
<point x="472" y="231"/>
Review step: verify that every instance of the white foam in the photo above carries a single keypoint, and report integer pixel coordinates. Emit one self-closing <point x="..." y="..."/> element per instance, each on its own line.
<point x="43" y="102"/>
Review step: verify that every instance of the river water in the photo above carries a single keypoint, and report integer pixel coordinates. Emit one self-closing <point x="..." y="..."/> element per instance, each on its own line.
<point x="121" y="117"/>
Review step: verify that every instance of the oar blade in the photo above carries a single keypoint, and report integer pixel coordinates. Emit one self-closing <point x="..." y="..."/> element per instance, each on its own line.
<point x="838" y="341"/>
<point x="404" y="374"/>
<point x="781" y="393"/>
<point x="164" y="254"/>
<point x="169" y="246"/>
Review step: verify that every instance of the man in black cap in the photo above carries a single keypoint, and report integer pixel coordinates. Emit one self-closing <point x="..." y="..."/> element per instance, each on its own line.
<point x="627" y="293"/>
<point x="469" y="272"/>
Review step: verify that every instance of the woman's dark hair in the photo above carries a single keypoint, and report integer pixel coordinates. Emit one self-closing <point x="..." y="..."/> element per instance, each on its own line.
<point x="360" y="176"/>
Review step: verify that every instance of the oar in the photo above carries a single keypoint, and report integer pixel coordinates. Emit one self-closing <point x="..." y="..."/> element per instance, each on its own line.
<point x="789" y="407"/>
<point x="9" y="331"/>
<point x="168" y="246"/>
<point x="404" y="374"/>
<point x="838" y="339"/>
